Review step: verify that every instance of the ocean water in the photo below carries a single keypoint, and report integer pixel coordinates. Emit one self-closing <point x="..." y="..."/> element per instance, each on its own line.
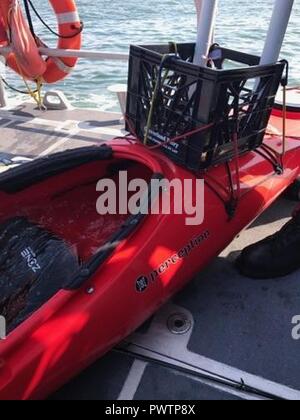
<point x="112" y="25"/>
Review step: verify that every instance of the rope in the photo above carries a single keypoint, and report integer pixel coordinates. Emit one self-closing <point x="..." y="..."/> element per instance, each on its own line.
<point x="237" y="164"/>
<point x="36" y="95"/>
<point x="131" y="129"/>
<point x="135" y="137"/>
<point x="22" y="92"/>
<point x="78" y="32"/>
<point x="284" y="122"/>
<point x="235" y="193"/>
<point x="184" y="136"/>
<point x="159" y="81"/>
<point x="284" y="82"/>
<point x="30" y="23"/>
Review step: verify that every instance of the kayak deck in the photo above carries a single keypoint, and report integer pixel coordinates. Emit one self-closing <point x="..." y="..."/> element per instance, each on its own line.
<point x="241" y="330"/>
<point x="232" y="327"/>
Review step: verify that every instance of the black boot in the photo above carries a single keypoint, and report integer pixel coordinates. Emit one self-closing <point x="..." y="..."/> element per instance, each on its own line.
<point x="293" y="192"/>
<point x="276" y="256"/>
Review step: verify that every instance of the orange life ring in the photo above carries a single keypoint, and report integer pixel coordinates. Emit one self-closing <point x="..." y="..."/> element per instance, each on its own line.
<point x="25" y="58"/>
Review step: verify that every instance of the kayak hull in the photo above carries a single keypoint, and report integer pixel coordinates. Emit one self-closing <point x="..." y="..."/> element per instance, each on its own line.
<point x="78" y="326"/>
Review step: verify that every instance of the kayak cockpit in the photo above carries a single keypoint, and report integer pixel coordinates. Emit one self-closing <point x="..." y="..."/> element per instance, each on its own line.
<point x="51" y="231"/>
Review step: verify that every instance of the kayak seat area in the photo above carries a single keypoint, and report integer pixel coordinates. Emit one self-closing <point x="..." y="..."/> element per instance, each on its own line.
<point x="49" y="224"/>
<point x="33" y="265"/>
<point x="59" y="194"/>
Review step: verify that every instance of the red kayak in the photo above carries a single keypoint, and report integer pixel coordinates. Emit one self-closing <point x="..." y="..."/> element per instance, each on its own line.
<point x="106" y="275"/>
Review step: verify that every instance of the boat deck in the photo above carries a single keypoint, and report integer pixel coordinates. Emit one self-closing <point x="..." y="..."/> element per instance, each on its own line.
<point x="27" y="131"/>
<point x="221" y="333"/>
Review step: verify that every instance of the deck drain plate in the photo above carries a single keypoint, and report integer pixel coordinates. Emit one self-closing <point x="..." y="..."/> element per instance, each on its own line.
<point x="179" y="324"/>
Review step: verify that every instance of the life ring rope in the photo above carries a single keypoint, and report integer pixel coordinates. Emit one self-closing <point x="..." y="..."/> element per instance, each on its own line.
<point x="62" y="19"/>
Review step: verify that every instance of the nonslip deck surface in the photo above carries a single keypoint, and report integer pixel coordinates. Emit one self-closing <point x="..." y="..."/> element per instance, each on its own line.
<point x="27" y="131"/>
<point x="240" y="330"/>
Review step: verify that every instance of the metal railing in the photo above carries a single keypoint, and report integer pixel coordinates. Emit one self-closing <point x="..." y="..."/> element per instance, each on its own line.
<point x="54" y="52"/>
<point x="87" y="54"/>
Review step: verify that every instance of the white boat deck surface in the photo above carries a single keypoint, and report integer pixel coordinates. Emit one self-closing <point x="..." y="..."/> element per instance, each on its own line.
<point x="235" y="332"/>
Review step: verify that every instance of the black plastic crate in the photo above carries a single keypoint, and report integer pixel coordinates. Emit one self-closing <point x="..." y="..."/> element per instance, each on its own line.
<point x="234" y="95"/>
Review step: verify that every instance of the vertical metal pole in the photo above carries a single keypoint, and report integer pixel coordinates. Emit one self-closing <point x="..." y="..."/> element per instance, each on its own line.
<point x="277" y="30"/>
<point x="206" y="24"/>
<point x="3" y="98"/>
<point x="198" y="4"/>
